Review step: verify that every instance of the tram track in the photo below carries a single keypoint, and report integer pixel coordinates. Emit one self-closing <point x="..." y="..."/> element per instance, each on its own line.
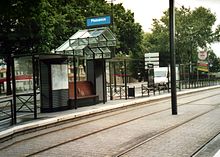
<point x="160" y="133"/>
<point x="110" y="113"/>
<point x="119" y="124"/>
<point x="103" y="129"/>
<point x="198" y="150"/>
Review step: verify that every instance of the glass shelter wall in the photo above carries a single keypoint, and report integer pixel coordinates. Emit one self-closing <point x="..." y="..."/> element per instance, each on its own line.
<point x="23" y="74"/>
<point x="80" y="66"/>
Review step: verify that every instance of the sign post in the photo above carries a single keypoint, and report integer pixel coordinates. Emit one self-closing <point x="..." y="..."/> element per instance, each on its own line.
<point x="151" y="58"/>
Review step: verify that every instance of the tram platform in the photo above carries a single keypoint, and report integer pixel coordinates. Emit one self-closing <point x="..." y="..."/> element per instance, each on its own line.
<point x="45" y="119"/>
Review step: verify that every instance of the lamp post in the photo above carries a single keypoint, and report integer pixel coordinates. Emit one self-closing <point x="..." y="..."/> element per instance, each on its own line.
<point x="192" y="33"/>
<point x="172" y="56"/>
<point x="112" y="12"/>
<point x="113" y="53"/>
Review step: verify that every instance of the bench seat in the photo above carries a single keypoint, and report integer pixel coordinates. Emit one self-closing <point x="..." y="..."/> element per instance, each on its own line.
<point x="85" y="93"/>
<point x="146" y="88"/>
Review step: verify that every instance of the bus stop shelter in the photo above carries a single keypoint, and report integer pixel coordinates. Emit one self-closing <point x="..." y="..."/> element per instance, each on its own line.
<point x="93" y="46"/>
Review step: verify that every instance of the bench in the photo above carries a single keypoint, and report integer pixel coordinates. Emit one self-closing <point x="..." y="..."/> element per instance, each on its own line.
<point x="145" y="88"/>
<point x="161" y="87"/>
<point x="85" y="93"/>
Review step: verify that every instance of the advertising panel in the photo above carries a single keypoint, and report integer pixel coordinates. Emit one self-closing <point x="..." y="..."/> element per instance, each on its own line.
<point x="59" y="74"/>
<point x="203" y="61"/>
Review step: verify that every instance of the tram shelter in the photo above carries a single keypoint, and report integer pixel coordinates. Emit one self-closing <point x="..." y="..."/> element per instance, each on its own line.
<point x="92" y="47"/>
<point x="58" y="89"/>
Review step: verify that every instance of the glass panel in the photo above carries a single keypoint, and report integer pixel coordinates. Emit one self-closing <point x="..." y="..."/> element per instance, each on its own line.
<point x="68" y="52"/>
<point x="108" y="35"/>
<point x="80" y="75"/>
<point x="93" y="41"/>
<point x="96" y="50"/>
<point x="96" y="33"/>
<point x="24" y="74"/>
<point x="80" y="47"/>
<point x="86" y="35"/>
<point x="78" y="52"/>
<point x="102" y="44"/>
<point x="105" y="50"/>
<point x="73" y="43"/>
<point x="98" y="56"/>
<point x="93" y="45"/>
<point x="89" y="56"/>
<point x="107" y="55"/>
<point x="83" y="41"/>
<point x="102" y="38"/>
<point x="88" y="51"/>
<point x="68" y="49"/>
<point x="74" y="47"/>
<point x="78" y="34"/>
<point x="111" y="43"/>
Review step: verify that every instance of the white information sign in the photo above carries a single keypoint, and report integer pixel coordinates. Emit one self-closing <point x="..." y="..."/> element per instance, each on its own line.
<point x="151" y="58"/>
<point x="59" y="74"/>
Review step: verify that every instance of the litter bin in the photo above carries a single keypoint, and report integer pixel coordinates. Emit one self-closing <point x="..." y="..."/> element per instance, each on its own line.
<point x="131" y="91"/>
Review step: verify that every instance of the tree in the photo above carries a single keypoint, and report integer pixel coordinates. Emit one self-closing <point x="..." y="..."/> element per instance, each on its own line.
<point x="17" y="30"/>
<point x="40" y="26"/>
<point x="129" y="33"/>
<point x="130" y="37"/>
<point x="193" y="30"/>
<point x="214" y="65"/>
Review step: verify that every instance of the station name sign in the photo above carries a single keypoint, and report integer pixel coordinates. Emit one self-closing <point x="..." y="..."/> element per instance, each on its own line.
<point x="98" y="21"/>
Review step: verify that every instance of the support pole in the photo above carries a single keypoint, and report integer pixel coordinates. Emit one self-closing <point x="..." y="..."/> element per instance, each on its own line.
<point x="103" y="81"/>
<point x="126" y="80"/>
<point x="34" y="86"/>
<point x="172" y="57"/>
<point x="14" y="91"/>
<point x="75" y="79"/>
<point x="110" y="81"/>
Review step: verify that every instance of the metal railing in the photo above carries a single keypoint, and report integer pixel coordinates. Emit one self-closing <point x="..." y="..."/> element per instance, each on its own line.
<point x="6" y="109"/>
<point x="197" y="83"/>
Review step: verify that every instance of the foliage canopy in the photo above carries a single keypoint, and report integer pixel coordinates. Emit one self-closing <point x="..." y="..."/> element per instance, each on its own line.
<point x="193" y="29"/>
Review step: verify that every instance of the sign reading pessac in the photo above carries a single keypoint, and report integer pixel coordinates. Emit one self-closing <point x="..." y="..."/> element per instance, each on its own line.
<point x="98" y="21"/>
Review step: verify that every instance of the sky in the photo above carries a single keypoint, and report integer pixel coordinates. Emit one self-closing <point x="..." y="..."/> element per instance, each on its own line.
<point x="146" y="10"/>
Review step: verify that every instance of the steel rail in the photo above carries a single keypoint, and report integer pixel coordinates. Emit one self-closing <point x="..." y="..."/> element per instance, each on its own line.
<point x="125" y="122"/>
<point x="109" y="112"/>
<point x="160" y="134"/>
<point x="198" y="150"/>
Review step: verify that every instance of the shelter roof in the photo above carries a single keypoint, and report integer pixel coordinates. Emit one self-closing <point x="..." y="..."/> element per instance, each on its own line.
<point x="91" y="43"/>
